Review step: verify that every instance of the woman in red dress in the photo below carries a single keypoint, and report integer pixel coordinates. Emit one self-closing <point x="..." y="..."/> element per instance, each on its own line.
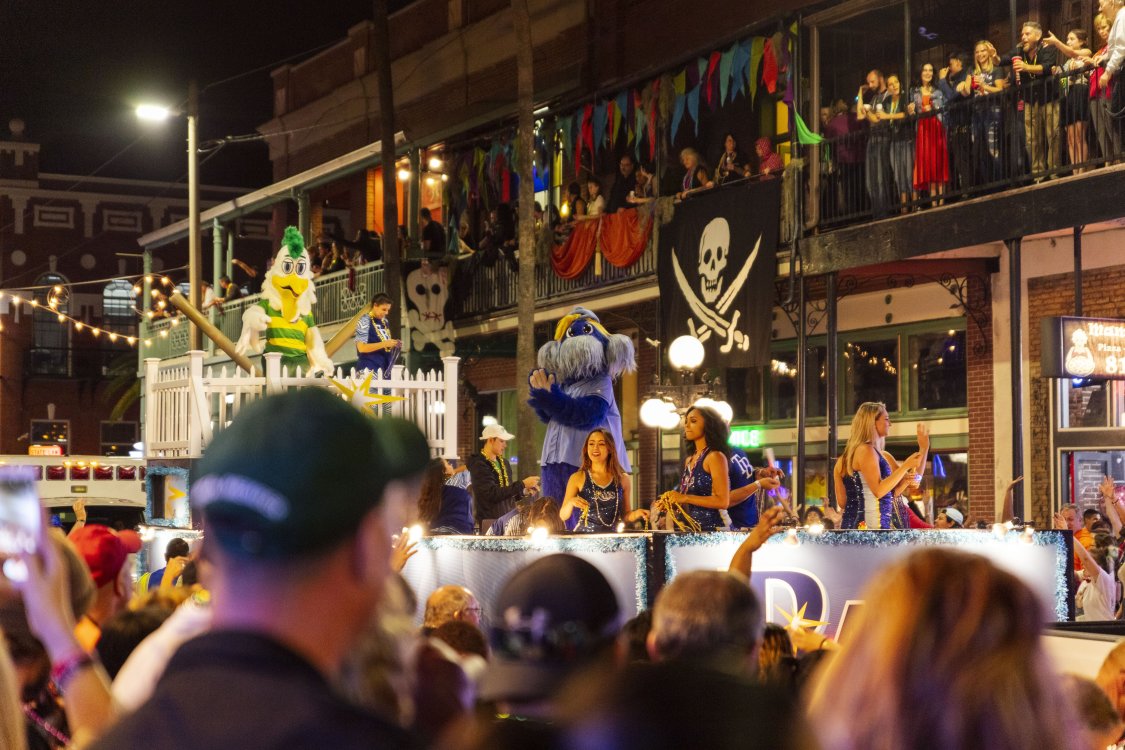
<point x="931" y="161"/>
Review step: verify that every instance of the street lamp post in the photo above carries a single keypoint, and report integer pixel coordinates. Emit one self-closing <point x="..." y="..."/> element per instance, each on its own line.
<point x="195" y="277"/>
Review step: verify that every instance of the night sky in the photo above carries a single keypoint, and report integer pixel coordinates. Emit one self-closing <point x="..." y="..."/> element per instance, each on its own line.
<point x="73" y="71"/>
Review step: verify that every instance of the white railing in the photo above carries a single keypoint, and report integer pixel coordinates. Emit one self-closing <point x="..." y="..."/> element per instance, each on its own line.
<point x="186" y="406"/>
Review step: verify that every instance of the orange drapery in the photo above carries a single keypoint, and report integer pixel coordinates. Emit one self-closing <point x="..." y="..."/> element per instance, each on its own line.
<point x="571" y="258"/>
<point x="622" y="238"/>
<point x="625" y="235"/>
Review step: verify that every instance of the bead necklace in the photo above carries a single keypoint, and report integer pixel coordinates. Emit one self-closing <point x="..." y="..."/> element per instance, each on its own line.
<point x="44" y="725"/>
<point x="501" y="469"/>
<point x="584" y="519"/>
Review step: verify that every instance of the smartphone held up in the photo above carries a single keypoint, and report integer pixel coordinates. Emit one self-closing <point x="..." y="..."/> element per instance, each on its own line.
<point x="21" y="518"/>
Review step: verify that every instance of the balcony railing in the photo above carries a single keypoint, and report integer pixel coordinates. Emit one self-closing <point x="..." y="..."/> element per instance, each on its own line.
<point x="1042" y="128"/>
<point x="490" y="289"/>
<point x="337" y="300"/>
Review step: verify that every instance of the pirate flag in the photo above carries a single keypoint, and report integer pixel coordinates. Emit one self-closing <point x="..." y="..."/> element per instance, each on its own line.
<point x="717" y="263"/>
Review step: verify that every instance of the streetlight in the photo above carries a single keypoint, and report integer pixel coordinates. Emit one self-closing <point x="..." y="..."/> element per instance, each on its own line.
<point x="685" y="353"/>
<point x="153" y="113"/>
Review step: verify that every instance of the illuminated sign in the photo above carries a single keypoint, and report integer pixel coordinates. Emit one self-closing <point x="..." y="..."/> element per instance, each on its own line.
<point x="742" y="436"/>
<point x="44" y="450"/>
<point x="78" y="489"/>
<point x="1083" y="348"/>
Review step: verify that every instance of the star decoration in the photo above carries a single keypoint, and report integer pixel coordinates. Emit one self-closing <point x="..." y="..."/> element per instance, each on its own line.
<point x="361" y="397"/>
<point x="797" y="619"/>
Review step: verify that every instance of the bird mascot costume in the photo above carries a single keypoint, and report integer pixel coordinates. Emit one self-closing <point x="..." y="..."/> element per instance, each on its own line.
<point x="285" y="311"/>
<point x="572" y="393"/>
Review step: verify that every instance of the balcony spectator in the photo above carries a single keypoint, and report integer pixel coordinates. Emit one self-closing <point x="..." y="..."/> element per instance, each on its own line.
<point x="844" y="131"/>
<point x="595" y="201"/>
<point x="695" y="176"/>
<point x="331" y="259"/>
<point x="574" y="204"/>
<point x="1111" y="61"/>
<point x="254" y="276"/>
<point x="1105" y="128"/>
<point x="769" y="162"/>
<point x="894" y="112"/>
<point x="230" y="292"/>
<point x="433" y="235"/>
<point x="646" y="184"/>
<point x="1115" y="49"/>
<point x="869" y="105"/>
<point x="952" y="80"/>
<point x="1032" y="63"/>
<point x="931" y="160"/>
<point x="623" y="185"/>
<point x="987" y="80"/>
<point x="1075" y="81"/>
<point x="732" y="164"/>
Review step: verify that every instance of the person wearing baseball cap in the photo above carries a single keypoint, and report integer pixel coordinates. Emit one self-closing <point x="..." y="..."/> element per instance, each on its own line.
<point x="494" y="490"/>
<point x="299" y="498"/>
<point x="105" y="552"/>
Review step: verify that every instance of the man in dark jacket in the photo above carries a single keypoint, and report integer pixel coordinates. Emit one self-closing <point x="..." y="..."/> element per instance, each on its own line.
<point x="494" y="491"/>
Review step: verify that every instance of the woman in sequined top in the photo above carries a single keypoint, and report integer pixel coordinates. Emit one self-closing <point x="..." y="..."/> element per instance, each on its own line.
<point x="597" y="495"/>
<point x="705" y="483"/>
<point x="864" y="480"/>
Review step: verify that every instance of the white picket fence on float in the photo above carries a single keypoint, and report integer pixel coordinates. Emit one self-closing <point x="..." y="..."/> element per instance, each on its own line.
<point x="185" y="406"/>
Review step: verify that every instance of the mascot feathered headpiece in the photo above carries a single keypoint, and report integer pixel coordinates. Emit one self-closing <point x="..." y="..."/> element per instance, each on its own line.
<point x="288" y="282"/>
<point x="582" y="348"/>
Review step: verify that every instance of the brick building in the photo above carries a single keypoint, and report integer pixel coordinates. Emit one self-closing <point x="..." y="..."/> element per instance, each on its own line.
<point x="70" y="240"/>
<point x="927" y="297"/>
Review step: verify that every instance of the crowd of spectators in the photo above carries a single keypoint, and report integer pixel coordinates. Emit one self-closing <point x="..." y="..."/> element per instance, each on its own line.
<point x="1046" y="108"/>
<point x="293" y="627"/>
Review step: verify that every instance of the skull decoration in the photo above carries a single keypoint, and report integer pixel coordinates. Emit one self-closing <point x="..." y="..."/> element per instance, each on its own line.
<point x="714" y="247"/>
<point x="427" y="289"/>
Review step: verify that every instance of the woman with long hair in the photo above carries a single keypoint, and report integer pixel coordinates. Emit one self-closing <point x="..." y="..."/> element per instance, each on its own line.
<point x="864" y="479"/>
<point x="987" y="80"/>
<point x="732" y="165"/>
<point x="947" y="654"/>
<point x="1105" y="127"/>
<point x="695" y="176"/>
<point x="902" y="141"/>
<point x="931" y="158"/>
<point x="597" y="495"/>
<point x="1075" y="81"/>
<point x="444" y="508"/>
<point x="704" y="487"/>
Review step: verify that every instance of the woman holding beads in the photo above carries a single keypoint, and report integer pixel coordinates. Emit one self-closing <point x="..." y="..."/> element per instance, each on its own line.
<point x="597" y="495"/>
<point x="865" y="482"/>
<point x="705" y="483"/>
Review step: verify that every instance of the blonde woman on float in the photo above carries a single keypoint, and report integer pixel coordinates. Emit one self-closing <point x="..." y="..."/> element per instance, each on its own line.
<point x="864" y="480"/>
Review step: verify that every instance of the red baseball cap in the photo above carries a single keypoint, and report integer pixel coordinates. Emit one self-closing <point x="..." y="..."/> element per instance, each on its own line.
<point x="104" y="550"/>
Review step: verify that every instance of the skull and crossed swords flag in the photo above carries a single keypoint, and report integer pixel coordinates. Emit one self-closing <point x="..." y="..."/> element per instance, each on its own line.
<point x="717" y="263"/>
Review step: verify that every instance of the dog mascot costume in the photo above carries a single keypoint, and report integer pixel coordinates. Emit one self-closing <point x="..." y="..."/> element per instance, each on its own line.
<point x="285" y="311"/>
<point x="573" y="393"/>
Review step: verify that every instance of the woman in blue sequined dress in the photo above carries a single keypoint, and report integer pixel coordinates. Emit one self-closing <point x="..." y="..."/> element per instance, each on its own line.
<point x="597" y="495"/>
<point x="704" y="487"/>
<point x="865" y="482"/>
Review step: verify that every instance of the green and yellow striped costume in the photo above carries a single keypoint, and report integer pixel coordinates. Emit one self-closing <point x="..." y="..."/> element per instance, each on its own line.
<point x="287" y="338"/>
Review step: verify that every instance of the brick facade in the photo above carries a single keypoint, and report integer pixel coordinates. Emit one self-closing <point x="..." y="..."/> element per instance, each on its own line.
<point x="1049" y="296"/>
<point x="980" y="398"/>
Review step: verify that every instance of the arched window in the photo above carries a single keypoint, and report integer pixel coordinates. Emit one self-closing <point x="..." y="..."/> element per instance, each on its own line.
<point x="118" y="302"/>
<point x="51" y="353"/>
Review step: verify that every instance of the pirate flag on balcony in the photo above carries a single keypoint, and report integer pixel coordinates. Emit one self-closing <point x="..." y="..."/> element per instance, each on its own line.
<point x="717" y="265"/>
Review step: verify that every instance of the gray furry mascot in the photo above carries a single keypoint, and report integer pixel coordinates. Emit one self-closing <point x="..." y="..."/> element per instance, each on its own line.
<point x="572" y="393"/>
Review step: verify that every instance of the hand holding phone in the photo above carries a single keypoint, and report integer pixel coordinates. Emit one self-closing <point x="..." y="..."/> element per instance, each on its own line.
<point x="21" y="516"/>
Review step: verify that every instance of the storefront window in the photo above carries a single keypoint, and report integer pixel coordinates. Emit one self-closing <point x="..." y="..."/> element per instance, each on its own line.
<point x="937" y="370"/>
<point x="1084" y="404"/>
<point x="871" y="373"/>
<point x="783" y="384"/>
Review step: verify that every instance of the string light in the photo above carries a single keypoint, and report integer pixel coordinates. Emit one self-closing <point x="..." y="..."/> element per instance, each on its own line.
<point x="57" y="296"/>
